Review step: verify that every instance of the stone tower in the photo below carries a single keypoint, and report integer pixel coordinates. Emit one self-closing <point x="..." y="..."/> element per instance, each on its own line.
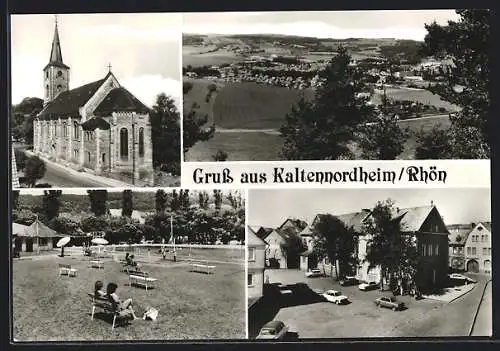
<point x="56" y="73"/>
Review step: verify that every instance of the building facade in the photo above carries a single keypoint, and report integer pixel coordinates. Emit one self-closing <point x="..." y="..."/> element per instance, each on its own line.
<point x="256" y="264"/>
<point x="424" y="225"/>
<point x="456" y="245"/>
<point x="478" y="249"/>
<point x="99" y="127"/>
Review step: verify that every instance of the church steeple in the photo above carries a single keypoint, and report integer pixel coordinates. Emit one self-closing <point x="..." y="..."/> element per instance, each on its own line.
<point x="56" y="73"/>
<point x="55" y="54"/>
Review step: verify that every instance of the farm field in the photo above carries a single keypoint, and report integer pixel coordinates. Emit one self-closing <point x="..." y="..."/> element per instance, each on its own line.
<point x="196" y="57"/>
<point x="255" y="106"/>
<point x="418" y="95"/>
<point x="49" y="307"/>
<point x="244" y="105"/>
<point x="259" y="146"/>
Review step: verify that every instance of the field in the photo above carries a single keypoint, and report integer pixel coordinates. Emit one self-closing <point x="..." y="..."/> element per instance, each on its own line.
<point x="255" y="106"/>
<point x="49" y="307"/>
<point x="244" y="105"/>
<point x="197" y="57"/>
<point x="418" y="95"/>
<point x="259" y="146"/>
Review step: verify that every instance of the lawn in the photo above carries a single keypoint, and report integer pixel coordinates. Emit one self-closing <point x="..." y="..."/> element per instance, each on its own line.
<point x="198" y="58"/>
<point x="49" y="307"/>
<point x="418" y="95"/>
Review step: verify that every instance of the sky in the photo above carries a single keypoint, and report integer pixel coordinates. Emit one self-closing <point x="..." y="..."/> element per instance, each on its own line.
<point x="143" y="49"/>
<point x="399" y="24"/>
<point x="270" y="208"/>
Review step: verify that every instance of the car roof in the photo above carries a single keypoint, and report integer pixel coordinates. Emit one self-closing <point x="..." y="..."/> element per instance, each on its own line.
<point x="272" y="325"/>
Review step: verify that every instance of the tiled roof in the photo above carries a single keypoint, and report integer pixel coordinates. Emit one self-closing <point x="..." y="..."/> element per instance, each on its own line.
<point x="354" y="220"/>
<point x="458" y="231"/>
<point x="120" y="100"/>
<point x="413" y="218"/>
<point x="252" y="239"/>
<point x="68" y="103"/>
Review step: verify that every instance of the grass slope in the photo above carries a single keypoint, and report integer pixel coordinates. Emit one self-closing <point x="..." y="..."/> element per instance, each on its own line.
<point x="265" y="147"/>
<point x="255" y="106"/>
<point x="47" y="306"/>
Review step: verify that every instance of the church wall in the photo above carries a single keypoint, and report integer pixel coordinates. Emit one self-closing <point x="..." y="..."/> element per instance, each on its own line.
<point x="90" y="149"/>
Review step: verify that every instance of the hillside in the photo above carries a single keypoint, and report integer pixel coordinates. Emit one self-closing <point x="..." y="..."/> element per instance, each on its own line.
<point x="245" y="105"/>
<point x="255" y="106"/>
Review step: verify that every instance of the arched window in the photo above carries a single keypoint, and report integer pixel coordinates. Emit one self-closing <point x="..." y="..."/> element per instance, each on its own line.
<point x="76" y="130"/>
<point x="47" y="90"/>
<point x="88" y="156"/>
<point x="141" y="142"/>
<point x="64" y="130"/>
<point x="124" y="143"/>
<point x="55" y="130"/>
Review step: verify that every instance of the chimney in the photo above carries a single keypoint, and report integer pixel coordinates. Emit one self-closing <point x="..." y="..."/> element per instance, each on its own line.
<point x="397" y="209"/>
<point x="473" y="225"/>
<point x="432" y="203"/>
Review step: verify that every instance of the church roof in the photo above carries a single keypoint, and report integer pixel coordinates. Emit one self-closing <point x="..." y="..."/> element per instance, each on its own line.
<point x="120" y="100"/>
<point x="55" y="53"/>
<point x="68" y="103"/>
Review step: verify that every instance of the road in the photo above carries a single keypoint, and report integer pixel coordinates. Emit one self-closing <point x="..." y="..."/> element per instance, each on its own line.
<point x="483" y="325"/>
<point x="59" y="177"/>
<point x="424" y="318"/>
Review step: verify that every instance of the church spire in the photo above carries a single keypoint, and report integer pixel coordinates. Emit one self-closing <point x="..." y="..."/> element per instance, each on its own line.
<point x="55" y="54"/>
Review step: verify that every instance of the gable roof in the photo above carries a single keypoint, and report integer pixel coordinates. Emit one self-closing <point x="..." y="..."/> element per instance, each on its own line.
<point x="487" y="225"/>
<point x="458" y="231"/>
<point x="68" y="103"/>
<point x="252" y="239"/>
<point x="120" y="100"/>
<point x="40" y="230"/>
<point x="298" y="223"/>
<point x="353" y="219"/>
<point x="262" y="232"/>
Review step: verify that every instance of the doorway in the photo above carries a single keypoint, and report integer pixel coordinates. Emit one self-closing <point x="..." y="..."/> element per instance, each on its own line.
<point x="29" y="244"/>
<point x="473" y="266"/>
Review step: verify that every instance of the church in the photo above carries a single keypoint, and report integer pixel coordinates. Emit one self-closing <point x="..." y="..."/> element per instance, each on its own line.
<point x="99" y="127"/>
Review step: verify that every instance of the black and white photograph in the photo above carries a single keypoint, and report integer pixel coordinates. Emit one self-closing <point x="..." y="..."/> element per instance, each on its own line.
<point x="133" y="264"/>
<point x="95" y="100"/>
<point x="349" y="263"/>
<point x="370" y="85"/>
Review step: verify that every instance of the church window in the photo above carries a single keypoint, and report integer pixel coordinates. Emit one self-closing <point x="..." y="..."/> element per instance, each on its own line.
<point x="64" y="130"/>
<point x="141" y="142"/>
<point x="46" y="91"/>
<point x="124" y="143"/>
<point x="88" y="156"/>
<point x="46" y="74"/>
<point x="76" y="132"/>
<point x="59" y="86"/>
<point x="103" y="157"/>
<point x="59" y="73"/>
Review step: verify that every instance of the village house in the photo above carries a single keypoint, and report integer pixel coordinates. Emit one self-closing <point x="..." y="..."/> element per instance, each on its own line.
<point x="424" y="224"/>
<point x="478" y="249"/>
<point x="256" y="264"/>
<point x="35" y="237"/>
<point x="287" y="233"/>
<point x="99" y="127"/>
<point x="456" y="245"/>
<point x="138" y="216"/>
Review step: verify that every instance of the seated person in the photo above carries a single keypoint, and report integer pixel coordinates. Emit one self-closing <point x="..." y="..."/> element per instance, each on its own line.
<point x="133" y="263"/>
<point x="127" y="259"/>
<point x="124" y="308"/>
<point x="98" y="292"/>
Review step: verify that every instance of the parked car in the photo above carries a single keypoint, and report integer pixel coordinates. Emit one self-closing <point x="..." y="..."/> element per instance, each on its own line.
<point x="349" y="281"/>
<point x="336" y="297"/>
<point x="458" y="276"/>
<point x="389" y="302"/>
<point x="314" y="273"/>
<point x="368" y="286"/>
<point x="273" y="330"/>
